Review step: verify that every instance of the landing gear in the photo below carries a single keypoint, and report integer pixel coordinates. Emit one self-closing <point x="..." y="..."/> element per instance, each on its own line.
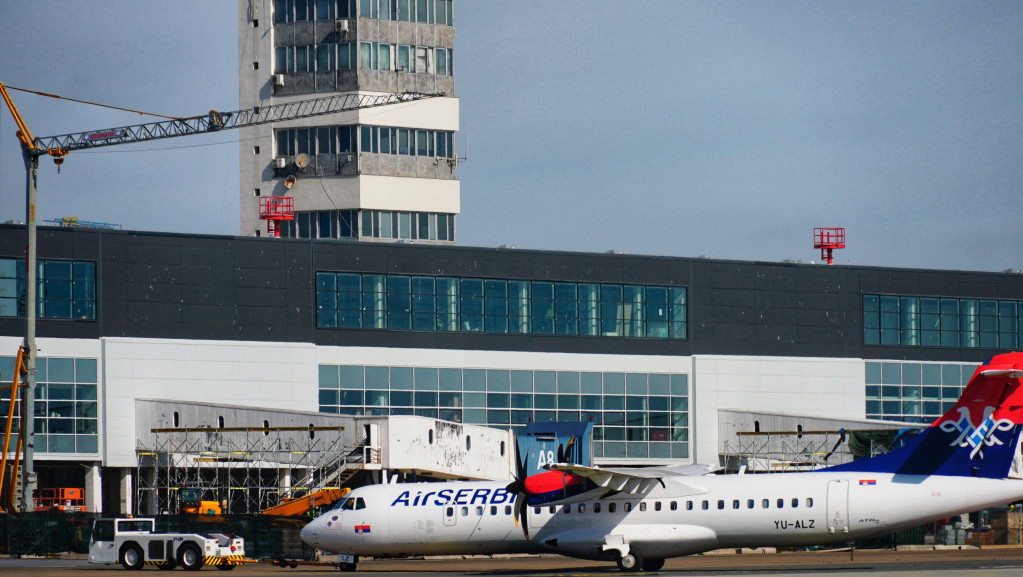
<point x="347" y="562"/>
<point x="653" y="564"/>
<point x="630" y="562"/>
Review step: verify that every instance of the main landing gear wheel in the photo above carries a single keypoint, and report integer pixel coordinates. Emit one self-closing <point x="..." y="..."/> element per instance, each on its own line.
<point x="131" y="557"/>
<point x="653" y="564"/>
<point x="630" y="562"/>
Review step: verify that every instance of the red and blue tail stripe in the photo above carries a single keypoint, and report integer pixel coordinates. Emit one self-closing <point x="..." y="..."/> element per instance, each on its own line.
<point x="978" y="437"/>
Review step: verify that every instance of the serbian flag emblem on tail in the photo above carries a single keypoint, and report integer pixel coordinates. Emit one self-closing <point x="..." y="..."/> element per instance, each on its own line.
<point x="868" y="482"/>
<point x="361" y="529"/>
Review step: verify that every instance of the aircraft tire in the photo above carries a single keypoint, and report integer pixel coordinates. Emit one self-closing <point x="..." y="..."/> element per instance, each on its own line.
<point x="630" y="562"/>
<point x="131" y="556"/>
<point x="348" y="567"/>
<point x="653" y="564"/>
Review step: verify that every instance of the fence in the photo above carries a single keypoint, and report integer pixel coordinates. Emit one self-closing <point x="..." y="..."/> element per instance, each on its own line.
<point x="50" y="532"/>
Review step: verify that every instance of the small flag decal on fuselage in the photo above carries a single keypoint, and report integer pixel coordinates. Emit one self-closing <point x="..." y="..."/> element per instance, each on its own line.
<point x="867" y="482"/>
<point x="361" y="529"/>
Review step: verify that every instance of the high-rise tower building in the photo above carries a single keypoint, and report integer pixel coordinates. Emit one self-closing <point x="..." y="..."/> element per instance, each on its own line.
<point x="382" y="174"/>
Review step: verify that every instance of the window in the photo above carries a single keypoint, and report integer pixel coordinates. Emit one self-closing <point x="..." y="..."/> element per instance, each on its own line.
<point x="596" y="507"/>
<point x="66" y="289"/>
<point x="642" y="505"/>
<point x="781" y="503"/>
<point x="628" y="506"/>
<point x="735" y="503"/>
<point x="705" y="505"/>
<point x="943" y="322"/>
<point x="610" y="507"/>
<point x="809" y="502"/>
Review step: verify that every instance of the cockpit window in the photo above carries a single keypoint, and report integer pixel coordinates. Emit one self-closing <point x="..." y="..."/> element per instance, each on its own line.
<point x="350" y="504"/>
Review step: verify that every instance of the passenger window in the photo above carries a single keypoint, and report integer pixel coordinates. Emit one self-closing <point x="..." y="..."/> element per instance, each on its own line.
<point x="450" y="512"/>
<point x="705" y="505"/>
<point x="766" y="504"/>
<point x="596" y="507"/>
<point x="628" y="506"/>
<point x="674" y="506"/>
<point x="657" y="505"/>
<point x="795" y="502"/>
<point x="809" y="502"/>
<point x="465" y="511"/>
<point x="567" y="509"/>
<point x="689" y="505"/>
<point x="721" y="504"/>
<point x="642" y="505"/>
<point x="479" y="511"/>
<point x="749" y="503"/>
<point x="553" y="509"/>
<point x="582" y="507"/>
<point x="507" y="510"/>
<point x="610" y="507"/>
<point x="781" y="503"/>
<point x="735" y="503"/>
<point x="493" y="509"/>
<point x="536" y="510"/>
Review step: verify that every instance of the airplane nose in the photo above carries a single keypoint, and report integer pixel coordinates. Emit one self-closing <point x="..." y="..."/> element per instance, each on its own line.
<point x="309" y="532"/>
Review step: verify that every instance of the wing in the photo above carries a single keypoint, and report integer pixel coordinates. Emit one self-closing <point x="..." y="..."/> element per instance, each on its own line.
<point x="639" y="480"/>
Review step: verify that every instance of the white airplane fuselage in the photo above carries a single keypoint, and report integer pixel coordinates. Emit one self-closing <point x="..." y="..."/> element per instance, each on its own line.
<point x="687" y="515"/>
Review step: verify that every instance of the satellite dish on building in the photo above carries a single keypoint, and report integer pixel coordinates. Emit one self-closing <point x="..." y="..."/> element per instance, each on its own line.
<point x="302" y="160"/>
<point x="290" y="181"/>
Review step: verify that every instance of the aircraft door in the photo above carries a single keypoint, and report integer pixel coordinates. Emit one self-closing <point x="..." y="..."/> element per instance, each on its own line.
<point x="838" y="506"/>
<point x="450" y="515"/>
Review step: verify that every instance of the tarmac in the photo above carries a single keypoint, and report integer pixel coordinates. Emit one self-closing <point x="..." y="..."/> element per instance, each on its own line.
<point x="993" y="561"/>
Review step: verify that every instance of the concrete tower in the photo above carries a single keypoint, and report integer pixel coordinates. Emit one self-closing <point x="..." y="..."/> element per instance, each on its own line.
<point x="379" y="174"/>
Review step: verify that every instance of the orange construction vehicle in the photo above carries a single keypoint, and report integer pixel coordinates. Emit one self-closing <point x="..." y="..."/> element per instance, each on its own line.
<point x="193" y="504"/>
<point x="67" y="499"/>
<point x="312" y="502"/>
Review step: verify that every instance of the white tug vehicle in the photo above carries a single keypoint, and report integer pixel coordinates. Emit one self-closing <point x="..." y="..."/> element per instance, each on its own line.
<point x="134" y="543"/>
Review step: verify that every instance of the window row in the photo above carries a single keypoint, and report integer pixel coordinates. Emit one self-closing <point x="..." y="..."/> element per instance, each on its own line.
<point x="348" y="300"/>
<point x="374" y="224"/>
<point x="642" y="409"/>
<point x="66" y="408"/>
<point x="407" y="141"/>
<point x="913" y="392"/>
<point x="377" y="139"/>
<point x="65" y="289"/>
<point x="498" y="380"/>
<point x="705" y="505"/>
<point x="331" y="56"/>
<point x="942" y="322"/>
<point x="422" y="11"/>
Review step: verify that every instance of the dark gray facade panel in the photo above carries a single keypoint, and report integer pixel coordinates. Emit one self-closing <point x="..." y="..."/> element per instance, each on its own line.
<point x="158" y="285"/>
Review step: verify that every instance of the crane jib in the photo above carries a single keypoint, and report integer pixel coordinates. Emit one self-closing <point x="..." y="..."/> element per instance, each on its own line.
<point x="214" y="121"/>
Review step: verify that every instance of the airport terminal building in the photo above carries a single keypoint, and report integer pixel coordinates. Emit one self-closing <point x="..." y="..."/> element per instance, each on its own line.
<point x="148" y="334"/>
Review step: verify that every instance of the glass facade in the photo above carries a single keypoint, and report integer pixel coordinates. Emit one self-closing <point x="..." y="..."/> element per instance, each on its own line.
<point x="422" y="303"/>
<point x="66" y="406"/>
<point x="942" y="322"/>
<point x="634" y="415"/>
<point x="66" y="289"/>
<point x="914" y="392"/>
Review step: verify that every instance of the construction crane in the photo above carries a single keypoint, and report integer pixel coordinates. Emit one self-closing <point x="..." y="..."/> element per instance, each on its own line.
<point x="60" y="146"/>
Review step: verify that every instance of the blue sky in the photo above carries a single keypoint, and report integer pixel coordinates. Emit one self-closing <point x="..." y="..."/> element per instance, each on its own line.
<point x="725" y="129"/>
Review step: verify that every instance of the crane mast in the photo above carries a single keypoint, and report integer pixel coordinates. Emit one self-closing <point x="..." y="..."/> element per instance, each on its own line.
<point x="59" y="146"/>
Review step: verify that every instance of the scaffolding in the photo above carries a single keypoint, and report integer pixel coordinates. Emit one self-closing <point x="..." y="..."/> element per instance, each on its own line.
<point x="246" y="469"/>
<point x="800" y="450"/>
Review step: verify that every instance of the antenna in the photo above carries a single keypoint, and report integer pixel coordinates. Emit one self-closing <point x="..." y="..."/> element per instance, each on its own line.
<point x="828" y="239"/>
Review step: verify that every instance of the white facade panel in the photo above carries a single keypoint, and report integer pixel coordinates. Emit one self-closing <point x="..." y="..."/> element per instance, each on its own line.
<point x="278" y="375"/>
<point x="831" y="388"/>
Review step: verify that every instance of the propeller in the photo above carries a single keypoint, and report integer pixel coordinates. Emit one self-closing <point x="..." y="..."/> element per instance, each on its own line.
<point x="518" y="488"/>
<point x="565" y="451"/>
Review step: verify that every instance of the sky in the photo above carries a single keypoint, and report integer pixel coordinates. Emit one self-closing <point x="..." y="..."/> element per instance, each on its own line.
<point x="713" y="129"/>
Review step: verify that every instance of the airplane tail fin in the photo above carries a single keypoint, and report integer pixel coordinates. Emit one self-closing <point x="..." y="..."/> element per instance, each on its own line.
<point x="978" y="437"/>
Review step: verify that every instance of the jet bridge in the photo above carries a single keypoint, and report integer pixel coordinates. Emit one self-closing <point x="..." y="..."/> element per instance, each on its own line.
<point x="250" y="459"/>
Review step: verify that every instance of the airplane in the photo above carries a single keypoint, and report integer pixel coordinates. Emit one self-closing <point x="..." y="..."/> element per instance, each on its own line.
<point x="968" y="459"/>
